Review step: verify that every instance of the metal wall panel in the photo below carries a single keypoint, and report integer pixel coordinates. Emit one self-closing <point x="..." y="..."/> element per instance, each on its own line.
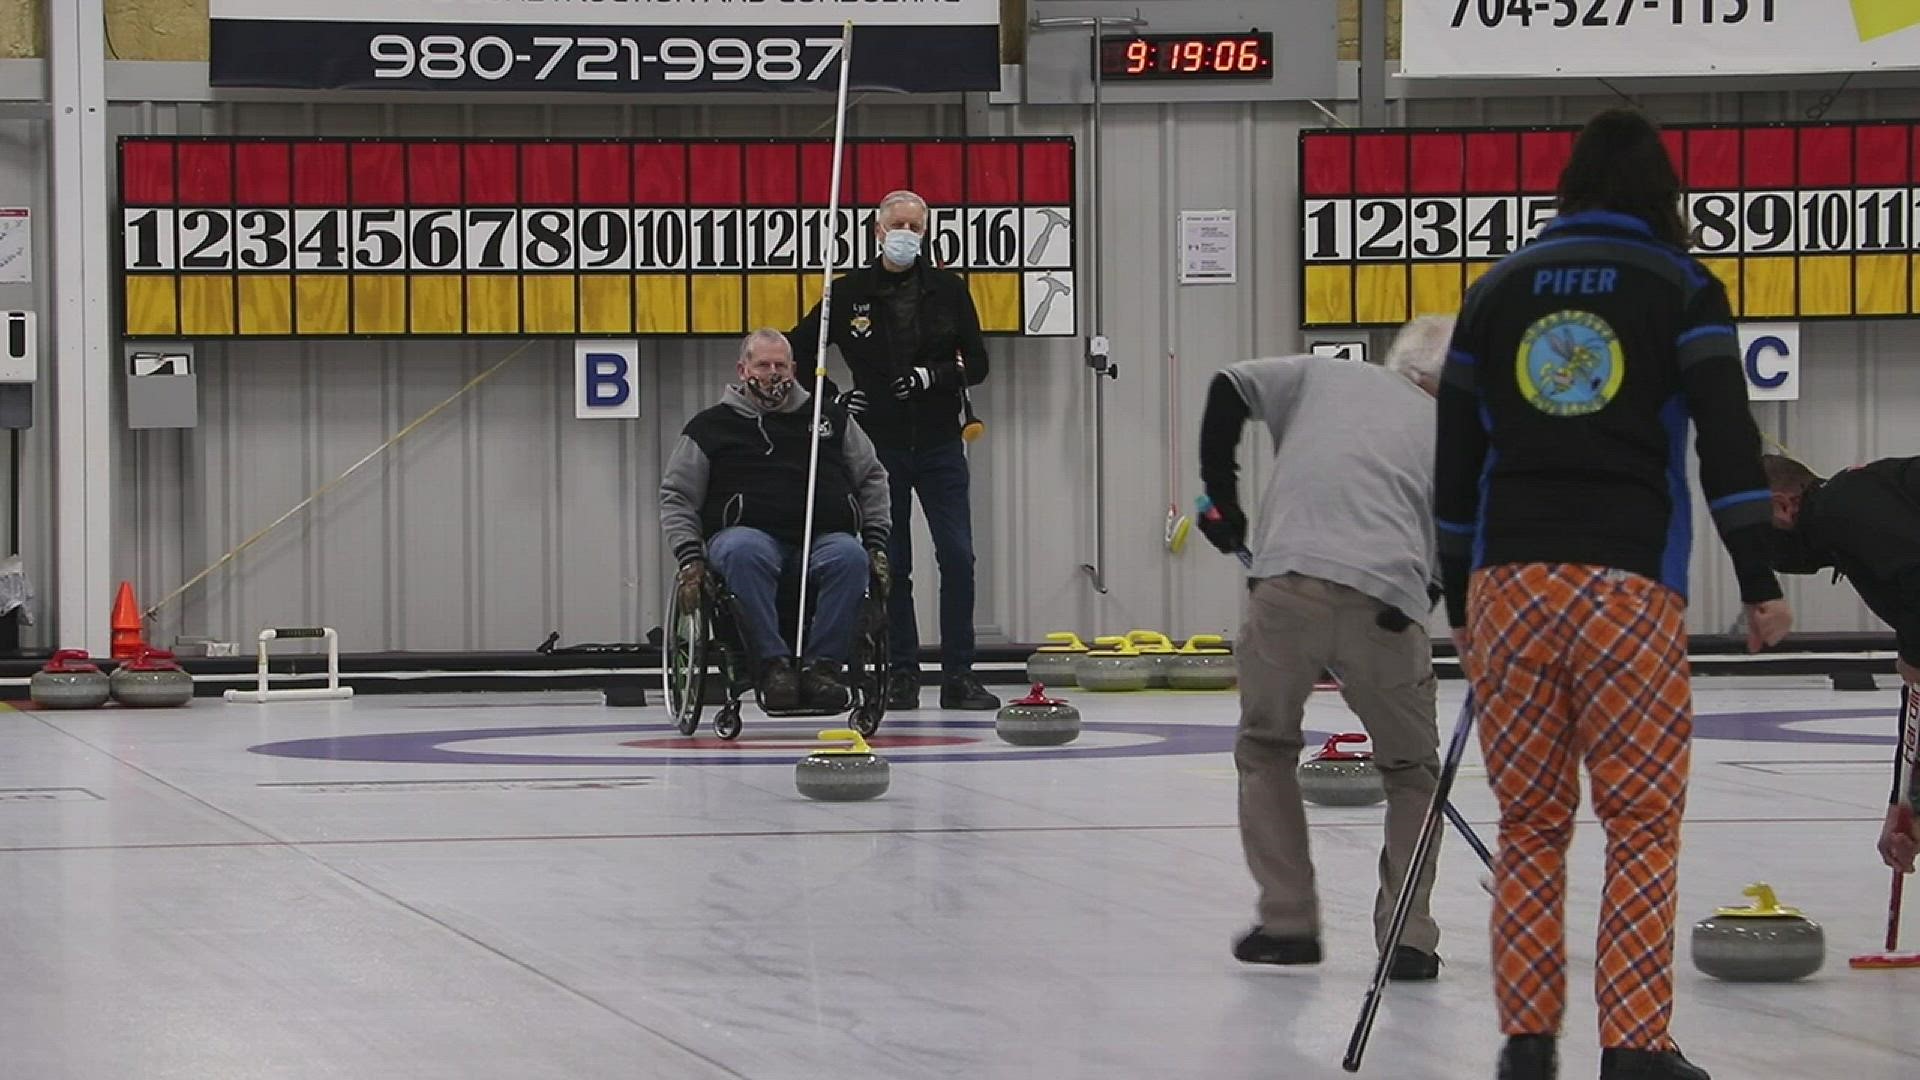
<point x="504" y="518"/>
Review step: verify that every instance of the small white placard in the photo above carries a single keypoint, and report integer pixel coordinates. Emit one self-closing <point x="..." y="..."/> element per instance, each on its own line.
<point x="1341" y="350"/>
<point x="1770" y="359"/>
<point x="1207" y="241"/>
<point x="16" y="245"/>
<point x="606" y="380"/>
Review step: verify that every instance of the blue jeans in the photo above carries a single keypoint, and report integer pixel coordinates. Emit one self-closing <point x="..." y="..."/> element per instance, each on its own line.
<point x="753" y="563"/>
<point x="940" y="475"/>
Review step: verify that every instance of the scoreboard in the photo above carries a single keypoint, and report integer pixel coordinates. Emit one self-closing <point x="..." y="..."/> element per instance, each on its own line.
<point x="1799" y="221"/>
<point x="395" y="238"/>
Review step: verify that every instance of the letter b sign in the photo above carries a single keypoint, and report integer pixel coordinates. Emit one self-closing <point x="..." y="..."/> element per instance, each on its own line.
<point x="603" y="376"/>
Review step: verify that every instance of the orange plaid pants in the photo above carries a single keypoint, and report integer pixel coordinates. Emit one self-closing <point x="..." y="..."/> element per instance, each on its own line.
<point x="1569" y="664"/>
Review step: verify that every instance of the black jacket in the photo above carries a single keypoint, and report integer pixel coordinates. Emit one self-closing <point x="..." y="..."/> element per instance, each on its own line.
<point x="1865" y="523"/>
<point x="1576" y="366"/>
<point x="736" y="464"/>
<point x="949" y="333"/>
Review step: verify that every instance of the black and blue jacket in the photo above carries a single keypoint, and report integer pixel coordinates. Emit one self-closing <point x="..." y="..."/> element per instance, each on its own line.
<point x="1576" y="366"/>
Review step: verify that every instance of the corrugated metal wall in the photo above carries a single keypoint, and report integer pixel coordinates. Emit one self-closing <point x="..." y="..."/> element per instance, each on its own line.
<point x="505" y="517"/>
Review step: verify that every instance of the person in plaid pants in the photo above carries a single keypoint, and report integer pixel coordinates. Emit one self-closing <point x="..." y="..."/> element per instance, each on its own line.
<point x="1562" y="507"/>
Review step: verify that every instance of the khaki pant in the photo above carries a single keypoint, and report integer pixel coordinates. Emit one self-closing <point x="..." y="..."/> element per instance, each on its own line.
<point x="1297" y="628"/>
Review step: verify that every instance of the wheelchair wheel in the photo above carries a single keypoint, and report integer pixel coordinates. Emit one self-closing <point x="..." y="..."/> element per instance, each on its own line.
<point x="684" y="664"/>
<point x="726" y="723"/>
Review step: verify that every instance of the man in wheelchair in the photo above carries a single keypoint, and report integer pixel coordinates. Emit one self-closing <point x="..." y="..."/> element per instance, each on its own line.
<point x="734" y="495"/>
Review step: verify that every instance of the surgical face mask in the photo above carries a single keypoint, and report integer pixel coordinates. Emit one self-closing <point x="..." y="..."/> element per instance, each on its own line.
<point x="901" y="246"/>
<point x="769" y="391"/>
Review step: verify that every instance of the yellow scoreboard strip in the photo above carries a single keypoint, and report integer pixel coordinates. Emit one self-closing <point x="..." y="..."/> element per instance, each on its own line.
<point x="1809" y="221"/>
<point x="210" y="248"/>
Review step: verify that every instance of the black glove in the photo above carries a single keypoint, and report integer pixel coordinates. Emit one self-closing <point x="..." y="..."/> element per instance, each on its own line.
<point x="687" y="585"/>
<point x="881" y="569"/>
<point x="854" y="401"/>
<point x="915" y="382"/>
<point x="1434" y="593"/>
<point x="1225" y="528"/>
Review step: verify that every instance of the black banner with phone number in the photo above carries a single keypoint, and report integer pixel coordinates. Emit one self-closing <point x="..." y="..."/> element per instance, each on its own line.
<point x="295" y="55"/>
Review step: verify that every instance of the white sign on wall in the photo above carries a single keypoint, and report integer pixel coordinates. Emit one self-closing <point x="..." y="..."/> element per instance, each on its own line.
<point x="1207" y="242"/>
<point x="1341" y="350"/>
<point x="1770" y="355"/>
<point x="605" y="374"/>
<point x="1471" y="38"/>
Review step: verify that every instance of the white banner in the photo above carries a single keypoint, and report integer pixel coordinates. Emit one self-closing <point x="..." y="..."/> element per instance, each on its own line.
<point x="1478" y="38"/>
<point x="589" y="13"/>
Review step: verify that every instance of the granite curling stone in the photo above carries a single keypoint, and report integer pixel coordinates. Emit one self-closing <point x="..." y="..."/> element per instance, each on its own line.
<point x="1158" y="649"/>
<point x="1038" y="720"/>
<point x="1054" y="664"/>
<point x="1115" y="666"/>
<point x="151" y="681"/>
<point x="1761" y="943"/>
<point x="850" y="773"/>
<point x="1203" y="663"/>
<point x="1336" y="777"/>
<point x="71" y="680"/>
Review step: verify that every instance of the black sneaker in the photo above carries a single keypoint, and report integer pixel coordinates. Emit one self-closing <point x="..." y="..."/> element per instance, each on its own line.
<point x="1257" y="946"/>
<point x="1411" y="965"/>
<point x="1530" y="1057"/>
<point x="903" y="689"/>
<point x="821" y="688"/>
<point x="779" y="685"/>
<point x="1648" y="1065"/>
<point x="963" y="691"/>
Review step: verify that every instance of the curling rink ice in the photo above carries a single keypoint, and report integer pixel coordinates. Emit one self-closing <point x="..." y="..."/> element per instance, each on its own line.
<point x="537" y="886"/>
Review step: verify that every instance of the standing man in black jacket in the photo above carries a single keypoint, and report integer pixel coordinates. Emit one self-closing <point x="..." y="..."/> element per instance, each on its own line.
<point x="1864" y="523"/>
<point x="910" y="334"/>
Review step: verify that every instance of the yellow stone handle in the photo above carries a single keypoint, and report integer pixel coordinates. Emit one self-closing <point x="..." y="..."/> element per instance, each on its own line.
<point x="1065" y="641"/>
<point x="1152" y="639"/>
<point x="1765" y="904"/>
<point x="846" y="735"/>
<point x="1117" y="645"/>
<point x="1205" y="643"/>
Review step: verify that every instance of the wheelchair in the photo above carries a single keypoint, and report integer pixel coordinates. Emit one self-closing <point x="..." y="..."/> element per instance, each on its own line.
<point x="709" y="644"/>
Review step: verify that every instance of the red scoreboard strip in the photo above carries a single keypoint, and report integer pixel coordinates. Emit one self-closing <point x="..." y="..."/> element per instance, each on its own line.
<point x="297" y="238"/>
<point x="1800" y="221"/>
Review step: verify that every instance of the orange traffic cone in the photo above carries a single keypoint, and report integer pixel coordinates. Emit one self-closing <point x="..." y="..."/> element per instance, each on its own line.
<point x="128" y="638"/>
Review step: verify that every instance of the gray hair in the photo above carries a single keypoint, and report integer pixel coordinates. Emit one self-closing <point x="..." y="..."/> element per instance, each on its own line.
<point x="1419" y="350"/>
<point x="895" y="198"/>
<point x="765" y="333"/>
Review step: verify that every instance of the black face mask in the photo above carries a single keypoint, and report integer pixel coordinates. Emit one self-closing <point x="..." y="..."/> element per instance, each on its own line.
<point x="770" y="394"/>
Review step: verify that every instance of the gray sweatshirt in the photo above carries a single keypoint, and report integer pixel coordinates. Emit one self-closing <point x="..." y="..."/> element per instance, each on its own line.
<point x="739" y="464"/>
<point x="1351" y="496"/>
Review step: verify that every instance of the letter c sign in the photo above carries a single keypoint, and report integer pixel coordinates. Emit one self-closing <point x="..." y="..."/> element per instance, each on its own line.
<point x="1770" y="357"/>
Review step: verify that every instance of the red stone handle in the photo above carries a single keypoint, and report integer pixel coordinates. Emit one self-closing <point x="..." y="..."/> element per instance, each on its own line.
<point x="70" y="661"/>
<point x="1332" y="752"/>
<point x="1038" y="696"/>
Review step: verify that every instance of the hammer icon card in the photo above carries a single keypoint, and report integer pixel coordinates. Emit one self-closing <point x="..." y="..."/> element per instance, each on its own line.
<point x="1049" y="238"/>
<point x="1048" y="300"/>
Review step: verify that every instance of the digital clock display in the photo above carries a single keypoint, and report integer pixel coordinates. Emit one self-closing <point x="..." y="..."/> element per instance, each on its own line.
<point x="1187" y="56"/>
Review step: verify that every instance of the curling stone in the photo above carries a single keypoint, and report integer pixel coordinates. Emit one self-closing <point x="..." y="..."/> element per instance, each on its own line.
<point x="1203" y="663"/>
<point x="1761" y="943"/>
<point x="1117" y="665"/>
<point x="152" y="681"/>
<point x="1038" y="720"/>
<point x="842" y="773"/>
<point x="1054" y="664"/>
<point x="1158" y="649"/>
<point x="1336" y="777"/>
<point x="69" y="681"/>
